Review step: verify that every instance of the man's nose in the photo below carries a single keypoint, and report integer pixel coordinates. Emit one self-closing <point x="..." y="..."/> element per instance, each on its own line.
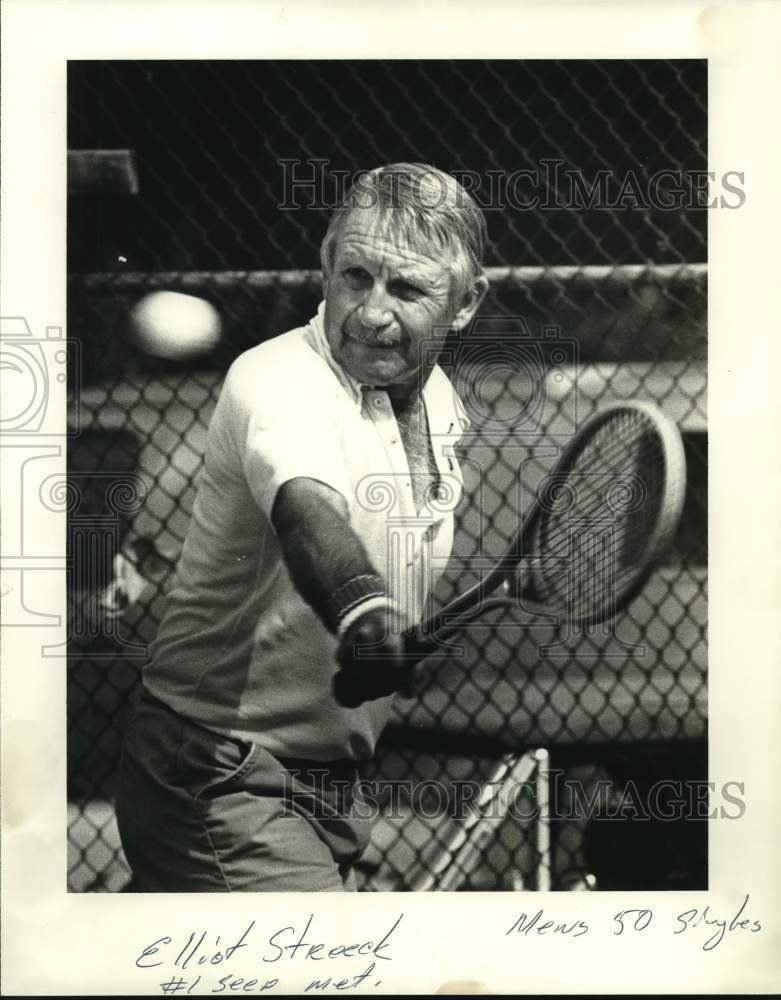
<point x="375" y="310"/>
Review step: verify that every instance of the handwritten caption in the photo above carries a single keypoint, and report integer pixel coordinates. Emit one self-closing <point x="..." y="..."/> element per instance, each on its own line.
<point x="201" y="962"/>
<point x="703" y="923"/>
<point x="201" y="953"/>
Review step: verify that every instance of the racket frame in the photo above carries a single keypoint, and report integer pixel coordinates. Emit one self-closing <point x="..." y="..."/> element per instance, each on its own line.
<point x="474" y="602"/>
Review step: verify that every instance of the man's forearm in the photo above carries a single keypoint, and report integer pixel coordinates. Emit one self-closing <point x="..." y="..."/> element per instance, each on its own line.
<point x="332" y="571"/>
<point x="320" y="548"/>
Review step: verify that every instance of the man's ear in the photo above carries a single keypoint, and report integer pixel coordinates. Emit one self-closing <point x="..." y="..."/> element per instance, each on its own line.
<point x="470" y="302"/>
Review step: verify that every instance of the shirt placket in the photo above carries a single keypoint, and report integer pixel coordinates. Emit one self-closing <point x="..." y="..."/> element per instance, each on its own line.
<point x="381" y="412"/>
<point x="409" y="534"/>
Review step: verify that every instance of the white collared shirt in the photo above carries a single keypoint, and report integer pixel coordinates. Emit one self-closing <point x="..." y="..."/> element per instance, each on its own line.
<point x="238" y="649"/>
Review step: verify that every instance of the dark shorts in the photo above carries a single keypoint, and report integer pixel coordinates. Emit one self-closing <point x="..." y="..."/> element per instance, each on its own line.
<point x="200" y="812"/>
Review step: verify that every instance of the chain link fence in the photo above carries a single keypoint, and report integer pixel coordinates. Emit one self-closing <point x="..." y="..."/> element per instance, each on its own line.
<point x="590" y="174"/>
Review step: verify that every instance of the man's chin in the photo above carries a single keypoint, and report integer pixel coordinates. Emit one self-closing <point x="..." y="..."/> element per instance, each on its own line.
<point x="369" y="365"/>
<point x="380" y="374"/>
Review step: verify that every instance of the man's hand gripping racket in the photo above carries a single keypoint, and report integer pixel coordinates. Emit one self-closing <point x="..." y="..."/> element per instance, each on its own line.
<point x="598" y="524"/>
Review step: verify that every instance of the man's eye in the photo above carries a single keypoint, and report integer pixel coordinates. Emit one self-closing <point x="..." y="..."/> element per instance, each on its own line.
<point x="407" y="291"/>
<point x="356" y="277"/>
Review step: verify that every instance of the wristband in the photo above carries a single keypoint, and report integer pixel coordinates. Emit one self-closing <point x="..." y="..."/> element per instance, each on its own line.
<point x="382" y="601"/>
<point x="352" y="593"/>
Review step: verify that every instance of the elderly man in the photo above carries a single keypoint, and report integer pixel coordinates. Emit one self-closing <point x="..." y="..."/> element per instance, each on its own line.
<point x="318" y="529"/>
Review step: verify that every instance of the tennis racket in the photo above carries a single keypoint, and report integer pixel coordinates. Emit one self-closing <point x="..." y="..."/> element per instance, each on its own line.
<point x="597" y="525"/>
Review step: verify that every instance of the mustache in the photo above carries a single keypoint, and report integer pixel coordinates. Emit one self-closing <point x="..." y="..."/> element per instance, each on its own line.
<point x="373" y="338"/>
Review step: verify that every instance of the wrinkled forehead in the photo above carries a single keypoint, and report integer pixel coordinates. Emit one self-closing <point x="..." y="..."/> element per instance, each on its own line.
<point x="392" y="237"/>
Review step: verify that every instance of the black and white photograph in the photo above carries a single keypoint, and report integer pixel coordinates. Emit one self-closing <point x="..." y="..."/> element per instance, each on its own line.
<point x="386" y="470"/>
<point x="429" y="299"/>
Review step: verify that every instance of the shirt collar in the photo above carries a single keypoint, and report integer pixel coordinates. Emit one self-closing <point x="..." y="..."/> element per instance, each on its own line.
<point x="446" y="413"/>
<point x="352" y="386"/>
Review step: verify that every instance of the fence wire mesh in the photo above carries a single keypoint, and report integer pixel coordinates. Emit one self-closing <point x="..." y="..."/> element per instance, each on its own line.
<point x="599" y="284"/>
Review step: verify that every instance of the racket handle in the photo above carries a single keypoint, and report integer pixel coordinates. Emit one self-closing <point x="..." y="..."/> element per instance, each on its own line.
<point x="354" y="686"/>
<point x="424" y="640"/>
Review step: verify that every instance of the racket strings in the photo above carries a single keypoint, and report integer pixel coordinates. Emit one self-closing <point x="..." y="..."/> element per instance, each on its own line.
<point x="626" y="529"/>
<point x="593" y="554"/>
<point x="585" y="511"/>
<point x="586" y="545"/>
<point x="641" y="467"/>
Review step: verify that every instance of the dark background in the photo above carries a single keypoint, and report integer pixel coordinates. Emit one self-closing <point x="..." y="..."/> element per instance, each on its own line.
<point x="209" y="136"/>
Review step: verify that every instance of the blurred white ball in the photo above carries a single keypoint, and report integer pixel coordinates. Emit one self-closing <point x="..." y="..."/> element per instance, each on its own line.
<point x="175" y="326"/>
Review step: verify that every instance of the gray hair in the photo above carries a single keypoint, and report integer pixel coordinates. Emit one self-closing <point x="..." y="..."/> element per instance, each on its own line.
<point x="424" y="207"/>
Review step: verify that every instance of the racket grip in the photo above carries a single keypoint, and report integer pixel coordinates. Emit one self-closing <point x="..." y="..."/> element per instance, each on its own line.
<point x="354" y="686"/>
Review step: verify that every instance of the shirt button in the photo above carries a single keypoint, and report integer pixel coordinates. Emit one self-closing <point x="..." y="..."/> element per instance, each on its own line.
<point x="378" y="401"/>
